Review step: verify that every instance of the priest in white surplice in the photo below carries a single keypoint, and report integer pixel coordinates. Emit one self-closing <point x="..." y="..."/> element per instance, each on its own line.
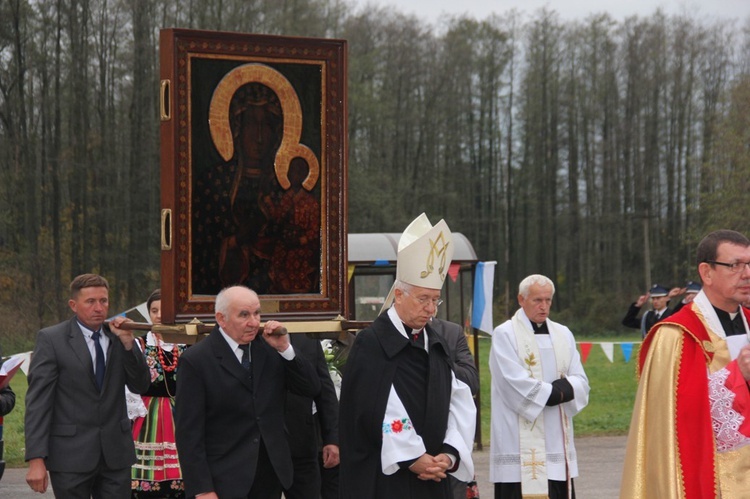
<point x="538" y="385"/>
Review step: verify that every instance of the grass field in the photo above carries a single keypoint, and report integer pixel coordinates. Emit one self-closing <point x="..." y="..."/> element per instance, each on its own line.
<point x="613" y="388"/>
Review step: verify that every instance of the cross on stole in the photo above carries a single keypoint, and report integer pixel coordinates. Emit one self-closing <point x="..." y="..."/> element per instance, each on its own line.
<point x="533" y="464"/>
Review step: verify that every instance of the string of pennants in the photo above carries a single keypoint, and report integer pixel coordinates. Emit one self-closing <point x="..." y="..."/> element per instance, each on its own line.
<point x="609" y="348"/>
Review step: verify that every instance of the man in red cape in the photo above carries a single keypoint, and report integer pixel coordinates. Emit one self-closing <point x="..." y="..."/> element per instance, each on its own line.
<point x="690" y="431"/>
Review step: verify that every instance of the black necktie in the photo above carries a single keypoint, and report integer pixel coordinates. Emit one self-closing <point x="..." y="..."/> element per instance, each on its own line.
<point x="245" y="356"/>
<point x="99" y="367"/>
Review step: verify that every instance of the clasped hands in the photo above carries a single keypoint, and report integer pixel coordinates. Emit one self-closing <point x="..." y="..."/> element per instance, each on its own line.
<point x="429" y="467"/>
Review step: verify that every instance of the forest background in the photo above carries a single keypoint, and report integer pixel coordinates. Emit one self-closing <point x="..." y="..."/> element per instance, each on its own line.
<point x="595" y="151"/>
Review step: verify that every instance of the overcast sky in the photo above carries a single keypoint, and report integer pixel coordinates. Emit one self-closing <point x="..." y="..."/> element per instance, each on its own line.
<point x="431" y="10"/>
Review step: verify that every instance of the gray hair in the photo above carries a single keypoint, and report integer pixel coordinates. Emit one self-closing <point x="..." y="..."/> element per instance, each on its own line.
<point x="403" y="286"/>
<point x="538" y="279"/>
<point x="221" y="305"/>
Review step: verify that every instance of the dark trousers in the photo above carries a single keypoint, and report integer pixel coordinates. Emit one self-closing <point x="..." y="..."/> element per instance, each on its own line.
<point x="557" y="490"/>
<point x="306" y="482"/>
<point x="99" y="483"/>
<point x="329" y="488"/>
<point x="266" y="484"/>
<point x="310" y="475"/>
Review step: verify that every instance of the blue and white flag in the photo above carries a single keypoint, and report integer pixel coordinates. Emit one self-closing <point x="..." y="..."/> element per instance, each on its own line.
<point x="139" y="313"/>
<point x="481" y="316"/>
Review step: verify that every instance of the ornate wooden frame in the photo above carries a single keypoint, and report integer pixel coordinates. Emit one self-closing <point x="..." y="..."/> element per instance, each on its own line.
<point x="200" y="73"/>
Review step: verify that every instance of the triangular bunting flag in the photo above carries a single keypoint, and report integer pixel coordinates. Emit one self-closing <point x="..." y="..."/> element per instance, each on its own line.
<point x="139" y="313"/>
<point x="350" y="272"/>
<point x="143" y="310"/>
<point x="585" y="349"/>
<point x="627" y="351"/>
<point x="608" y="348"/>
<point x="453" y="271"/>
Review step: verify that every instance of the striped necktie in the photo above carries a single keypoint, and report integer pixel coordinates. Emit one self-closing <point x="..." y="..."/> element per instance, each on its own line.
<point x="245" y="356"/>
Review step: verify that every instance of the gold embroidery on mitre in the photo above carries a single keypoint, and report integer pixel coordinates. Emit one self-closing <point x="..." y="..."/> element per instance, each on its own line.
<point x="438" y="249"/>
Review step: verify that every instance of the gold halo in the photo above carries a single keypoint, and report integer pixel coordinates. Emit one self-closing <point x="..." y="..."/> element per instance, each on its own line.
<point x="290" y="148"/>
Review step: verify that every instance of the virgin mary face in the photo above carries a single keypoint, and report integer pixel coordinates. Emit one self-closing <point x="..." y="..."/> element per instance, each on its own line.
<point x="256" y="140"/>
<point x="256" y="123"/>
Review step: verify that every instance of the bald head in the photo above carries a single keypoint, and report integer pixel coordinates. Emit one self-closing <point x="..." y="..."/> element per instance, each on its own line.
<point x="238" y="313"/>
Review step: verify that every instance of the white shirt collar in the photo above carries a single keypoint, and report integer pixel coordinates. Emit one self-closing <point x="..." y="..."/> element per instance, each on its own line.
<point x="399" y="325"/>
<point x="151" y="341"/>
<point x="232" y="344"/>
<point x="88" y="333"/>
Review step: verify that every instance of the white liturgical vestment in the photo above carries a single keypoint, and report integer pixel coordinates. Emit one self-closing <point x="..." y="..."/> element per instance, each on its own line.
<point x="516" y="393"/>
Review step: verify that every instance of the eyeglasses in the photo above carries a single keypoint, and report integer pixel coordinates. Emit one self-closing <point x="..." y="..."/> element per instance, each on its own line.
<point x="436" y="302"/>
<point x="734" y="268"/>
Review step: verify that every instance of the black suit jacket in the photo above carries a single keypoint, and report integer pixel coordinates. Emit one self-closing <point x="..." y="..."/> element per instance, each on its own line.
<point x="647" y="321"/>
<point x="460" y="355"/>
<point x="308" y="432"/>
<point x="222" y="413"/>
<point x="68" y="421"/>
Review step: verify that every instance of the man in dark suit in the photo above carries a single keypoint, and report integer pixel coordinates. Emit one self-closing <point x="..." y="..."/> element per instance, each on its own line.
<point x="77" y="425"/>
<point x="308" y="431"/>
<point x="459" y="352"/>
<point x="660" y="297"/>
<point x="463" y="366"/>
<point x="229" y="411"/>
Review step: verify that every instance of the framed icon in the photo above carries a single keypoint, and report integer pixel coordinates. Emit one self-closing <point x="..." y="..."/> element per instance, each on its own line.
<point x="253" y="173"/>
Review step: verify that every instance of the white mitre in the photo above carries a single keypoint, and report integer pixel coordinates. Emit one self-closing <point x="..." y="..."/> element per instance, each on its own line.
<point x="424" y="254"/>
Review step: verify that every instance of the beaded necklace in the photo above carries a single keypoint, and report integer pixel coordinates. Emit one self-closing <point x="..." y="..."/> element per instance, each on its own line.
<point x="175" y="357"/>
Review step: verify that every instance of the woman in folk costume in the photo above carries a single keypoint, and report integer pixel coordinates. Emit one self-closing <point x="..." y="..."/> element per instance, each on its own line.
<point x="538" y="385"/>
<point x="406" y="420"/>
<point x="156" y="472"/>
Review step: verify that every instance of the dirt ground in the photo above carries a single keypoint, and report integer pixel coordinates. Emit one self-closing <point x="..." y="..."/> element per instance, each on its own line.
<point x="599" y="465"/>
<point x="599" y="468"/>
